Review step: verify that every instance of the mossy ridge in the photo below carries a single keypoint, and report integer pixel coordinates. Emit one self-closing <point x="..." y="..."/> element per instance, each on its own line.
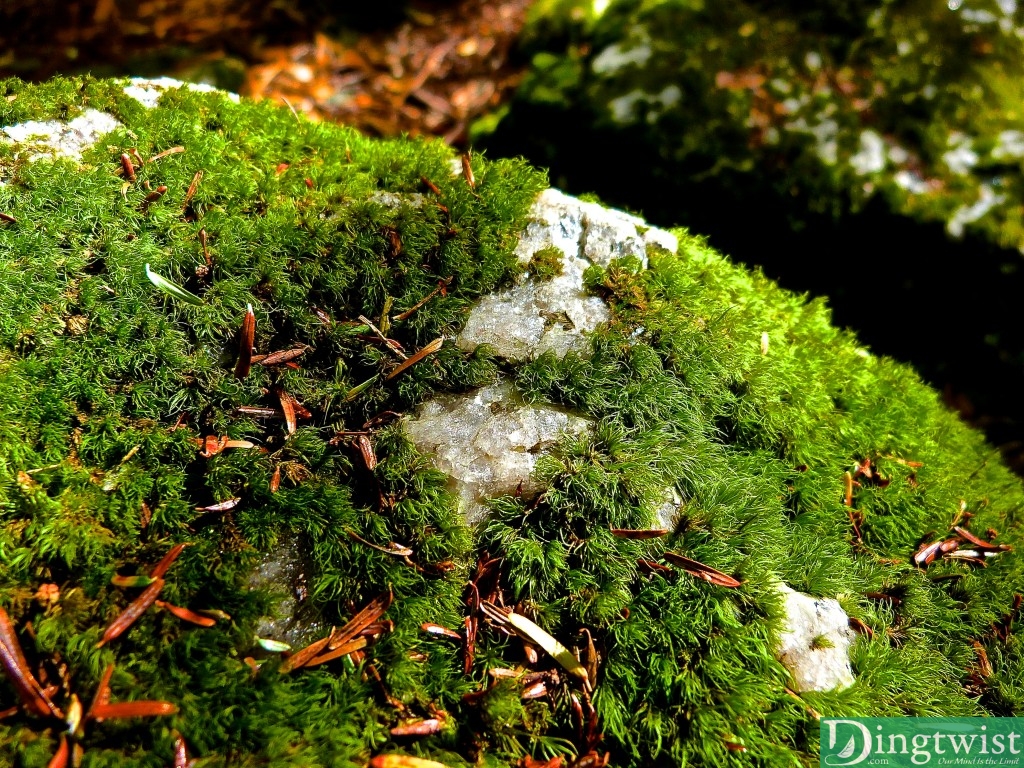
<point x="294" y="222"/>
<point x="756" y="437"/>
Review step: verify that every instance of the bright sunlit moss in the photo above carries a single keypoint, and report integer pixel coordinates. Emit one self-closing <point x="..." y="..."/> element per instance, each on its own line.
<point x="107" y="382"/>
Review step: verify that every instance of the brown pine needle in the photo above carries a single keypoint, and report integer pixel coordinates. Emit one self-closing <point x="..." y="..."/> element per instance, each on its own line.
<point x="192" y="188"/>
<point x="387" y="342"/>
<point x="165" y="153"/>
<point x="245" y="342"/>
<point x="701" y="571"/>
<point x="430" y="349"/>
<point x="442" y="286"/>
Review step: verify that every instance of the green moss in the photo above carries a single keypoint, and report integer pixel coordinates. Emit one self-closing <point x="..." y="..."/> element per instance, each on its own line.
<point x="107" y="382"/>
<point x="822" y="641"/>
<point x="546" y="263"/>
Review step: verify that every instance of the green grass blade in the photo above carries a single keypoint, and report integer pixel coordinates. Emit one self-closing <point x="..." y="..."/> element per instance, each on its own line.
<point x="171" y="289"/>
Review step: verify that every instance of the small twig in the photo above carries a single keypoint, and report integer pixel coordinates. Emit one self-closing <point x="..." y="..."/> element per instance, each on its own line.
<point x="442" y="286"/>
<point x="387" y="342"/>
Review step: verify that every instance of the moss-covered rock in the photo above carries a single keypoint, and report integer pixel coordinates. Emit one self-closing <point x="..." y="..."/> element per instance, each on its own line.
<point x="833" y="103"/>
<point x="796" y="456"/>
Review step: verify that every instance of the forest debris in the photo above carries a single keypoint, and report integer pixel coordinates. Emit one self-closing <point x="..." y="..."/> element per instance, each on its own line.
<point x="539" y="637"/>
<point x="701" y="571"/>
<point x="131" y="614"/>
<point x="246" y="339"/>
<point x="31" y="693"/>
<point x="429" y="349"/>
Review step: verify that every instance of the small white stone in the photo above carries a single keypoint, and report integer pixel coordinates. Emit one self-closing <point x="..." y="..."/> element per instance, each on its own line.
<point x="147" y="91"/>
<point x="488" y="441"/>
<point x="396" y="200"/>
<point x="967" y="214"/>
<point x="53" y="138"/>
<point x="871" y="156"/>
<point x="667" y="512"/>
<point x="809" y="619"/>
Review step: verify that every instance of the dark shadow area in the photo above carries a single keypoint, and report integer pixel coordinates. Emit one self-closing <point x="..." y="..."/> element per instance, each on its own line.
<point x="950" y="308"/>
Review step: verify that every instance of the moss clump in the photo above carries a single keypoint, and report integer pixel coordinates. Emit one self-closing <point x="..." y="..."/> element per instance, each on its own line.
<point x="107" y="384"/>
<point x="546" y="263"/>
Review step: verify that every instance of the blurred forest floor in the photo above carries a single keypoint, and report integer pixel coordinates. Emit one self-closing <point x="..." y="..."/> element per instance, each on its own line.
<point x="427" y="67"/>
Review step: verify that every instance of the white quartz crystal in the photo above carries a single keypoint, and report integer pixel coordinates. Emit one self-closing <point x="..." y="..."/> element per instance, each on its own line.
<point x="535" y="316"/>
<point x="488" y="441"/>
<point x="814" y="647"/>
<point x="54" y="139"/>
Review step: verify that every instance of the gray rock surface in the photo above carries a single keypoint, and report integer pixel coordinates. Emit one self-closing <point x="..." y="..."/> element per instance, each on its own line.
<point x="815" y="645"/>
<point x="282" y="572"/>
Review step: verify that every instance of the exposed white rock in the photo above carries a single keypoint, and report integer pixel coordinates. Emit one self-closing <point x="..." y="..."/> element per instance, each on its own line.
<point x="823" y="129"/>
<point x="911" y="181"/>
<point x="147" y="91"/>
<point x="667" y="513"/>
<point x="624" y="108"/>
<point x="54" y="139"/>
<point x="815" y="645"/>
<point x="870" y="158"/>
<point x="488" y="441"/>
<point x="1009" y="146"/>
<point x="535" y="316"/>
<point x="961" y="158"/>
<point x="634" y="52"/>
<point x="966" y="214"/>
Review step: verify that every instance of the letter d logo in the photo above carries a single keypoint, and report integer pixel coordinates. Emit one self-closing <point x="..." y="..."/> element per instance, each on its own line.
<point x="845" y="756"/>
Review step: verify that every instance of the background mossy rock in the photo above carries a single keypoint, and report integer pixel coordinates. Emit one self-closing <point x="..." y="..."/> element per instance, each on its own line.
<point x="832" y="103"/>
<point x="705" y="378"/>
